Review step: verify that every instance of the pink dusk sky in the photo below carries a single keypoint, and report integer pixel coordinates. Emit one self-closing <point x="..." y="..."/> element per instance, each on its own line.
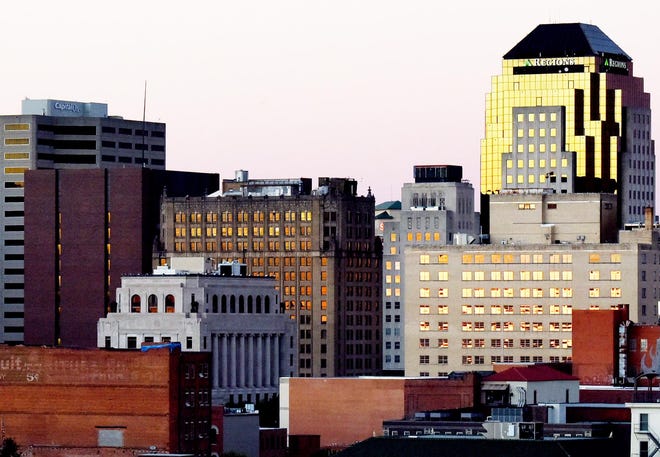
<point x="290" y="88"/>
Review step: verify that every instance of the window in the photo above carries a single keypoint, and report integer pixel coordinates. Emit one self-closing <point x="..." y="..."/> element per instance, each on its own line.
<point x="443" y="359"/>
<point x="643" y="422"/>
<point x="131" y="342"/>
<point x="152" y="303"/>
<point x="423" y="359"/>
<point x="135" y="304"/>
<point x="169" y="303"/>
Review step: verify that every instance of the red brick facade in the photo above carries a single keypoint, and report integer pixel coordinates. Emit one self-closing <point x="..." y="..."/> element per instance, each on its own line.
<point x="68" y="398"/>
<point x="596" y="346"/>
<point x="345" y="410"/>
<point x="84" y="229"/>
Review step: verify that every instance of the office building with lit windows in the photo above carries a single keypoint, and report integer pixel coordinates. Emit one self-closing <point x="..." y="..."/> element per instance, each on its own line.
<point x="57" y="134"/>
<point x="436" y="209"/>
<point x="320" y="246"/>
<point x="568" y="114"/>
<point x="469" y="307"/>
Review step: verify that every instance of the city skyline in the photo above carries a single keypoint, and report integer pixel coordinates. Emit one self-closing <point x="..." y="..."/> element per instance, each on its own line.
<point x="368" y="90"/>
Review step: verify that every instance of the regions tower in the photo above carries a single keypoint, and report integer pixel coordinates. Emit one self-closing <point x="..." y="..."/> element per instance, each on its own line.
<point x="568" y="115"/>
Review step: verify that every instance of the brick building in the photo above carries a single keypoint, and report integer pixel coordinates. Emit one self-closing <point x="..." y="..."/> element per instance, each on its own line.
<point x="343" y="411"/>
<point x="84" y="229"/>
<point x="157" y="400"/>
<point x="318" y="244"/>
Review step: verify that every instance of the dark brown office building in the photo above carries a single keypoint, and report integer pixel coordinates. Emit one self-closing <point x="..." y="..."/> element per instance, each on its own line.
<point x="319" y="245"/>
<point x="84" y="229"/>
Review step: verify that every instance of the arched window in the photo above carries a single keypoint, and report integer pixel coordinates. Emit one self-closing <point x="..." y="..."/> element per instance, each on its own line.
<point x="241" y="304"/>
<point x="152" y="301"/>
<point x="215" y="303"/>
<point x="223" y="304"/>
<point x="136" y="304"/>
<point x="267" y="304"/>
<point x="258" y="304"/>
<point x="232" y="304"/>
<point x="250" y="310"/>
<point x="169" y="303"/>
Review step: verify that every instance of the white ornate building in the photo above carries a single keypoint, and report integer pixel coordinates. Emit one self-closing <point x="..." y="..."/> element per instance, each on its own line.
<point x="237" y="318"/>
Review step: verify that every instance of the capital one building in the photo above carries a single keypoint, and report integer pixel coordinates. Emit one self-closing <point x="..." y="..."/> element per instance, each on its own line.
<point x="568" y="114"/>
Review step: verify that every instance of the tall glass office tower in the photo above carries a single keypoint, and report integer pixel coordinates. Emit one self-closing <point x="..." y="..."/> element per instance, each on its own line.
<point x="568" y="115"/>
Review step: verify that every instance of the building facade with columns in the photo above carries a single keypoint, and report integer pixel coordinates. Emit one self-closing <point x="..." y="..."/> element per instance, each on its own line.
<point x="236" y="318"/>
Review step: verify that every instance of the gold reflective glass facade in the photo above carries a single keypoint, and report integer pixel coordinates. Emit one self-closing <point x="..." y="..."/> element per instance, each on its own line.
<point x="602" y="102"/>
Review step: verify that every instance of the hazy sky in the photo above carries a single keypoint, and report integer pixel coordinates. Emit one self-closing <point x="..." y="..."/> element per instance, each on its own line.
<point x="290" y="88"/>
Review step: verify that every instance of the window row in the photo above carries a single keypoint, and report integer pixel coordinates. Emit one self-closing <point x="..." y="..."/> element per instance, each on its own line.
<point x="506" y="326"/>
<point x="497" y="343"/>
<point x="241" y="232"/>
<point x="522" y="292"/>
<point x="510" y="258"/>
<point x="500" y="309"/>
<point x="243" y="216"/>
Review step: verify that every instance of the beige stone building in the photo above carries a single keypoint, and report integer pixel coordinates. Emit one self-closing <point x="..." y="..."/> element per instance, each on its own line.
<point x="318" y="244"/>
<point x="535" y="216"/>
<point x="469" y="307"/>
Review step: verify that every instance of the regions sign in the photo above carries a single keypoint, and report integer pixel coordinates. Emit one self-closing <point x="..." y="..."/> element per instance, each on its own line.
<point x="550" y="62"/>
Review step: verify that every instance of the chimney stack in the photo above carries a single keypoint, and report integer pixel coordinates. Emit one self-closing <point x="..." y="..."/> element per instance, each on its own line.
<point x="648" y="218"/>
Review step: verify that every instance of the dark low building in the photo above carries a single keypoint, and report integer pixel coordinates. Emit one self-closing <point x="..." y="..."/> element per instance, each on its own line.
<point x="478" y="447"/>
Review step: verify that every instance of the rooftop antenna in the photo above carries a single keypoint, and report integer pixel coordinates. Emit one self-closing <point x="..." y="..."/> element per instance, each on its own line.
<point x="144" y="114"/>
